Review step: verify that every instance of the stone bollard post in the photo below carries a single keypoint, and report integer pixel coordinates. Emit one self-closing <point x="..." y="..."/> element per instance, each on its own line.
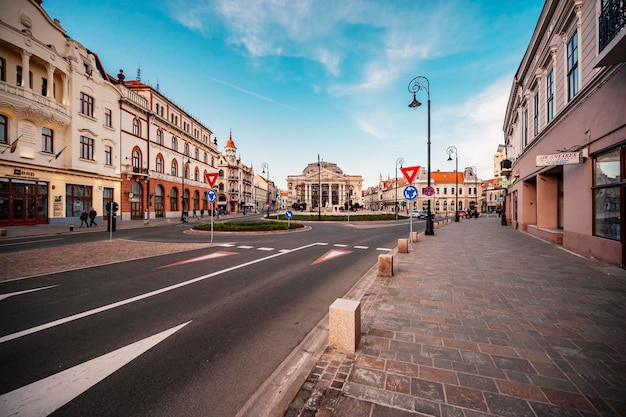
<point x="403" y="246"/>
<point x="385" y="265"/>
<point x="344" y="325"/>
<point x="413" y="237"/>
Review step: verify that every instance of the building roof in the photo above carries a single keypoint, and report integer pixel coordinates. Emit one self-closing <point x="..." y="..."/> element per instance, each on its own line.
<point x="443" y="176"/>
<point x="230" y="143"/>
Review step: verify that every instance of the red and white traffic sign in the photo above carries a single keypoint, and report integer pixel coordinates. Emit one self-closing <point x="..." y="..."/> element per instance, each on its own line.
<point x="211" y="177"/>
<point x="410" y="172"/>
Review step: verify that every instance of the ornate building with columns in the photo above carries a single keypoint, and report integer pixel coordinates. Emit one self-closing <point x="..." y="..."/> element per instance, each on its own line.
<point x="326" y="184"/>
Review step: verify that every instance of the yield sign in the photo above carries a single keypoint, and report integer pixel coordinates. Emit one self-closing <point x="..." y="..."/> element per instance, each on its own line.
<point x="210" y="178"/>
<point x="331" y="254"/>
<point x="410" y="173"/>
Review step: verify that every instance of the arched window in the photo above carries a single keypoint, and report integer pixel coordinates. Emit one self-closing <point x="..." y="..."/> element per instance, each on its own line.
<point x="136" y="127"/>
<point x="159" y="165"/>
<point x="136" y="161"/>
<point x="160" y="137"/>
<point x="174" y="143"/>
<point x="196" y="174"/>
<point x="186" y="149"/>
<point x="173" y="199"/>
<point x="174" y="170"/>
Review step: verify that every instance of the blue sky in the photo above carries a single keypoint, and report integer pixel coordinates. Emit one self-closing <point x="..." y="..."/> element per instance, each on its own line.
<point x="296" y="78"/>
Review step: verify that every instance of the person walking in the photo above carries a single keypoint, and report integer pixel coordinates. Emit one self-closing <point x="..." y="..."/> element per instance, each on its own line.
<point x="83" y="219"/>
<point x="92" y="217"/>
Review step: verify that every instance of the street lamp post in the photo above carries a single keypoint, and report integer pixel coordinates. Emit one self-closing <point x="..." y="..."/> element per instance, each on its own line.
<point x="452" y="150"/>
<point x="319" y="188"/>
<point x="476" y="188"/>
<point x="421" y="83"/>
<point x="349" y="202"/>
<point x="266" y="167"/>
<point x="183" y="215"/>
<point x="398" y="161"/>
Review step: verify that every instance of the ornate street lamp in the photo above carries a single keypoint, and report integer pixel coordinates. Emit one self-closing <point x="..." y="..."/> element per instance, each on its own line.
<point x="398" y="161"/>
<point x="452" y="150"/>
<point x="421" y="83"/>
<point x="266" y="167"/>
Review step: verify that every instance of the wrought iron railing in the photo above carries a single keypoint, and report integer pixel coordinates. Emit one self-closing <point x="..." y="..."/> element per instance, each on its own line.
<point x="611" y="21"/>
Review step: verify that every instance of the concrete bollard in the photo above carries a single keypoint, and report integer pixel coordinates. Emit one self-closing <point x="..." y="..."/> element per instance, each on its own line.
<point x="344" y="325"/>
<point x="71" y="227"/>
<point x="436" y="225"/>
<point x="403" y="246"/>
<point x="413" y="237"/>
<point x="385" y="265"/>
<point x="3" y="232"/>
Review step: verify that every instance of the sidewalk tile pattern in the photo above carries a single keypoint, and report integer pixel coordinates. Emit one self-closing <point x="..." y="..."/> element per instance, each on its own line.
<point x="481" y="320"/>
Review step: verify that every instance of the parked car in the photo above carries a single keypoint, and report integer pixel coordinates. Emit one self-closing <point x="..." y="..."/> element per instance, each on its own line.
<point x="462" y="213"/>
<point x="422" y="214"/>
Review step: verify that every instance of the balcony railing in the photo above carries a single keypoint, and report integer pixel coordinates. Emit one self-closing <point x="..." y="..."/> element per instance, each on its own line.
<point x="611" y="21"/>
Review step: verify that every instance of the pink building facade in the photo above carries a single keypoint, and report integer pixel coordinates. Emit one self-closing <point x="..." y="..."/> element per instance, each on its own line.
<point x="565" y="130"/>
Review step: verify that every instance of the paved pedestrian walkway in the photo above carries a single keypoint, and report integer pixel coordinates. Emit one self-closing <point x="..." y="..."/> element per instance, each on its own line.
<point x="481" y="320"/>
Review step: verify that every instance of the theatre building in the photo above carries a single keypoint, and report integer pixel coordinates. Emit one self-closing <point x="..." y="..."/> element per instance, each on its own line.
<point x="58" y="136"/>
<point x="565" y="130"/>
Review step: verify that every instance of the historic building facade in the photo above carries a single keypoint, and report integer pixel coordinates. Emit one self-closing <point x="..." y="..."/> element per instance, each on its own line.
<point x="234" y="182"/>
<point x="565" y="130"/>
<point x="165" y="155"/>
<point x="324" y="187"/>
<point x="59" y="146"/>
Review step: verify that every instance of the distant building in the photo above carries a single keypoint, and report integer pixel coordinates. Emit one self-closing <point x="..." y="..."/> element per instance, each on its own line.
<point x="325" y="183"/>
<point x="565" y="130"/>
<point x="234" y="182"/>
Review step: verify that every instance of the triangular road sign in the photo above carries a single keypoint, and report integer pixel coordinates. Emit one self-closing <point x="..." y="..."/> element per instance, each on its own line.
<point x="211" y="177"/>
<point x="410" y="173"/>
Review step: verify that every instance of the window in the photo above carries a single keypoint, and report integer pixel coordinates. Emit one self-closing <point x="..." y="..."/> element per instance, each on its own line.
<point x="160" y="137"/>
<point x="606" y="188"/>
<point x="525" y="127"/>
<point x="536" y="114"/>
<point x="159" y="165"/>
<point x="108" y="118"/>
<point x="550" y="95"/>
<point x="173" y="199"/>
<point x="186" y="147"/>
<point x="196" y="174"/>
<point x="86" y="105"/>
<point x="44" y="86"/>
<point x="46" y="140"/>
<point x="136" y="127"/>
<point x="197" y="153"/>
<point x="18" y="76"/>
<point x="3" y="73"/>
<point x="174" y="143"/>
<point x="86" y="148"/>
<point x="3" y="129"/>
<point x="77" y="199"/>
<point x="136" y="161"/>
<point x="572" y="66"/>
<point x="108" y="155"/>
<point x="174" y="169"/>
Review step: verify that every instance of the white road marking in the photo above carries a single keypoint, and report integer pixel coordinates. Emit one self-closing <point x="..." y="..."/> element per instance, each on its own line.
<point x="226" y="245"/>
<point x="244" y="247"/>
<point x="30" y="242"/>
<point x="266" y="249"/>
<point x="11" y="294"/>
<point x="88" y="313"/>
<point x="340" y="245"/>
<point x="361" y="247"/>
<point x="384" y="249"/>
<point x="43" y="397"/>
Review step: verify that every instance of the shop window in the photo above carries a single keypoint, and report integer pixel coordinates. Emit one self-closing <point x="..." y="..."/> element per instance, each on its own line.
<point x="606" y="195"/>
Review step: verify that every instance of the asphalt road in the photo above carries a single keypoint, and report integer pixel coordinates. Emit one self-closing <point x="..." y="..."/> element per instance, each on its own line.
<point x="193" y="333"/>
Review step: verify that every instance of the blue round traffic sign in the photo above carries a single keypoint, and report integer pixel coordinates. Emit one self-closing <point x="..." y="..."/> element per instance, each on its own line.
<point x="211" y="196"/>
<point x="410" y="192"/>
<point x="429" y="191"/>
<point x="288" y="214"/>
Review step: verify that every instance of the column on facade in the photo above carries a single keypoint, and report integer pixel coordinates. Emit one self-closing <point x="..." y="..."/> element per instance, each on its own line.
<point x="66" y="89"/>
<point x="25" y="69"/>
<point x="50" y="79"/>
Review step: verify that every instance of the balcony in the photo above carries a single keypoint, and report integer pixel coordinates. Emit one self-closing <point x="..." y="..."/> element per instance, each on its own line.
<point x="611" y="33"/>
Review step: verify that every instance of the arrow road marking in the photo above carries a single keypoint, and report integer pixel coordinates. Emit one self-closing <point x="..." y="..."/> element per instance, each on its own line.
<point x="97" y="310"/>
<point x="331" y="254"/>
<point x="43" y="397"/>
<point x="11" y="294"/>
<point x="213" y="255"/>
